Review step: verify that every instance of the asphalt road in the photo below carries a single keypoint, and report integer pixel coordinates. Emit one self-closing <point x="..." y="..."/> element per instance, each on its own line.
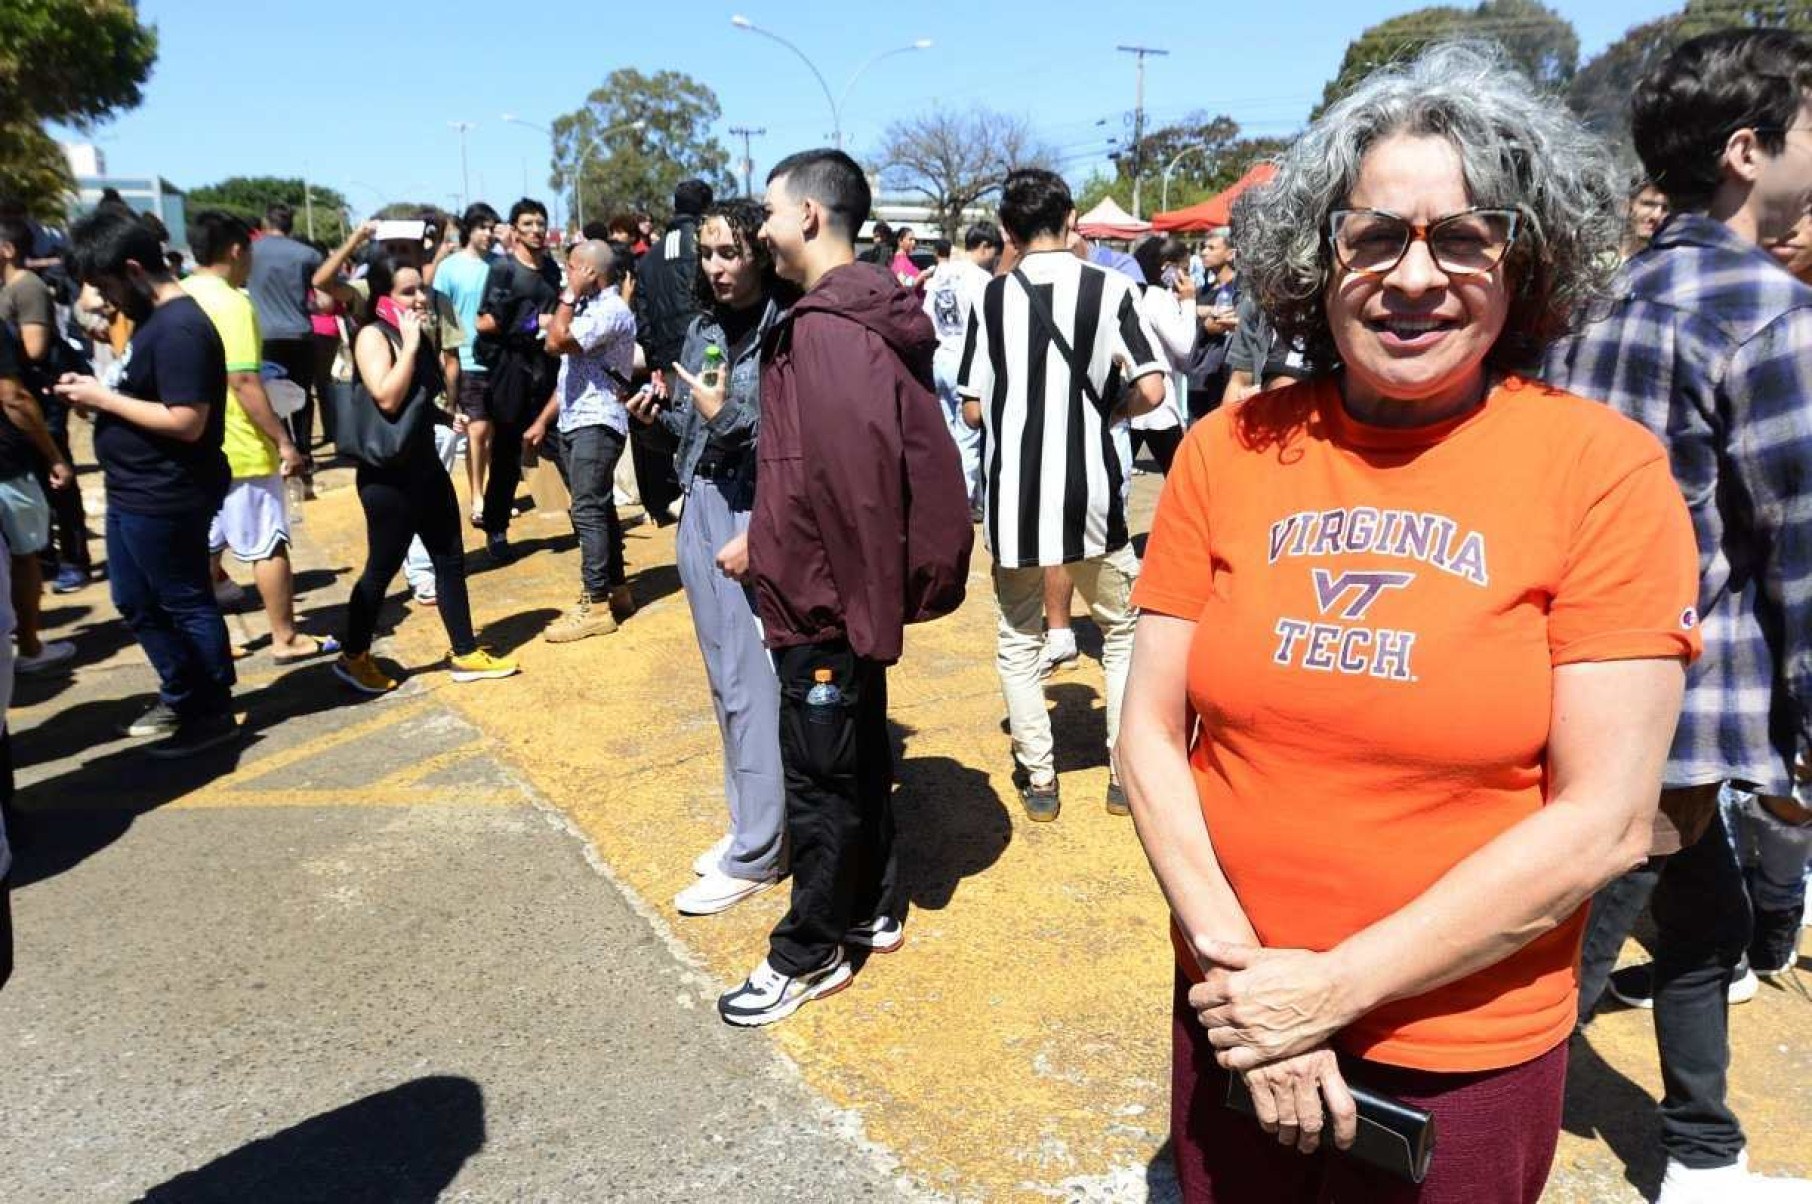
<point x="359" y="960"/>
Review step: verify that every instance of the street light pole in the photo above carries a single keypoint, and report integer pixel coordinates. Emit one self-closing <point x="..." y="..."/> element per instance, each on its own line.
<point x="835" y="103"/>
<point x="590" y="145"/>
<point x="465" y="177"/>
<point x="748" y="161"/>
<point x="1164" y="204"/>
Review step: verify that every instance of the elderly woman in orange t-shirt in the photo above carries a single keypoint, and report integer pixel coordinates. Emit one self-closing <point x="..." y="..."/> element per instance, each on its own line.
<point x="1411" y="651"/>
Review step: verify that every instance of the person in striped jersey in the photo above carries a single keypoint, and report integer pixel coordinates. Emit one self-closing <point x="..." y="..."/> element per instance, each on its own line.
<point x="1057" y="352"/>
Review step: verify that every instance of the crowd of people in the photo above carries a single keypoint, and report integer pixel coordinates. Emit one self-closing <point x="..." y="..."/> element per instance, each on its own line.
<point x="1486" y="536"/>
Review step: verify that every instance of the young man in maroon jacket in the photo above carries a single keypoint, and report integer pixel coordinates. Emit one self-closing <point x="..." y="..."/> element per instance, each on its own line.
<point x="861" y="525"/>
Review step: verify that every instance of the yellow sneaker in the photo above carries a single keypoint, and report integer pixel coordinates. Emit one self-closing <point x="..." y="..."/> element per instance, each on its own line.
<point x="362" y="674"/>
<point x="479" y="664"/>
<point x="587" y="618"/>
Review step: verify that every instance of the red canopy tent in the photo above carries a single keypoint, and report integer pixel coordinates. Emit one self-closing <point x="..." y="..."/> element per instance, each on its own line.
<point x="1216" y="210"/>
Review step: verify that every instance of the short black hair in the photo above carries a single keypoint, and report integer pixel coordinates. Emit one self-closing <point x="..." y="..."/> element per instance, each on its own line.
<point x="280" y="217"/>
<point x="904" y="232"/>
<point x="1034" y="201"/>
<point x="16" y="230"/>
<point x="982" y="234"/>
<point x="595" y="231"/>
<point x="1686" y="108"/>
<point x="527" y="204"/>
<point x="693" y="197"/>
<point x="831" y="178"/>
<point x="107" y="239"/>
<point x="213" y="233"/>
<point x="477" y="214"/>
<point x="940" y="247"/>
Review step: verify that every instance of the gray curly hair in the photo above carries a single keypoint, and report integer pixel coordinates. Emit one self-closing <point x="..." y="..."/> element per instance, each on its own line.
<point x="1517" y="150"/>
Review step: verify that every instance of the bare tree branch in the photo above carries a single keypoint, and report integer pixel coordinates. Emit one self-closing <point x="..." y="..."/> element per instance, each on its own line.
<point x="956" y="160"/>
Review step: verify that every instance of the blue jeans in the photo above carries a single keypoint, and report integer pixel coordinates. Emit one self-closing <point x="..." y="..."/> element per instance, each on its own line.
<point x="968" y="439"/>
<point x="1774" y="854"/>
<point x="163" y="588"/>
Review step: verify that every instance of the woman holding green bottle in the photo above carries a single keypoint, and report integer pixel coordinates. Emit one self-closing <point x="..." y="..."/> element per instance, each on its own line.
<point x="712" y="411"/>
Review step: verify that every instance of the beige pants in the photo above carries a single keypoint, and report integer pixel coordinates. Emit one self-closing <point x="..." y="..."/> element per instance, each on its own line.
<point x="1105" y="583"/>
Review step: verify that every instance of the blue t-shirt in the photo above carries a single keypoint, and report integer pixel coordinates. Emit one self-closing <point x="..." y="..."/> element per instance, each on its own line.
<point x="176" y="358"/>
<point x="460" y="279"/>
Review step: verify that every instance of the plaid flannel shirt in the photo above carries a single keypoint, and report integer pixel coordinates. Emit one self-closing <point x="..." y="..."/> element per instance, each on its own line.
<point x="1706" y="341"/>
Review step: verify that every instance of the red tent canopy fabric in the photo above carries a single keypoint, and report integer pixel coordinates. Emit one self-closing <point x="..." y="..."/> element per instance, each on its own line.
<point x="1216" y="210"/>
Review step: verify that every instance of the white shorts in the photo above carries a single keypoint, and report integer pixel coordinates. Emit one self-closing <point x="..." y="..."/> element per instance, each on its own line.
<point x="252" y="521"/>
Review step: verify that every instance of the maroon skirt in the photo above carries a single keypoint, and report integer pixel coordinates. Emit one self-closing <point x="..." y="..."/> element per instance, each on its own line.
<point x="1495" y="1133"/>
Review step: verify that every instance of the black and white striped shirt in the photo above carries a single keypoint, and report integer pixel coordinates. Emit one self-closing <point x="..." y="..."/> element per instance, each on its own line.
<point x="1055" y="486"/>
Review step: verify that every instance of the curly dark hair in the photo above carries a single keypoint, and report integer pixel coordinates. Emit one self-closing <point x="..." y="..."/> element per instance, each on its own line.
<point x="744" y="217"/>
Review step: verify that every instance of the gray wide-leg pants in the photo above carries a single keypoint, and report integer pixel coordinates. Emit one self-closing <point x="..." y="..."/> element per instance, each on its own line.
<point x="744" y="691"/>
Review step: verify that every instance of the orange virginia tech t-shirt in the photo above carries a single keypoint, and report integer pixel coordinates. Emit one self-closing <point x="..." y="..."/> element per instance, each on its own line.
<point x="1378" y="616"/>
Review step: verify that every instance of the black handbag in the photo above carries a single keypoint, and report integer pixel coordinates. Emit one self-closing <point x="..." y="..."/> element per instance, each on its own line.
<point x="365" y="433"/>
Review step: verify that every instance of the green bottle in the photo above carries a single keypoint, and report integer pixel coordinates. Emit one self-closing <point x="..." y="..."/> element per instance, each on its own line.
<point x="714" y="366"/>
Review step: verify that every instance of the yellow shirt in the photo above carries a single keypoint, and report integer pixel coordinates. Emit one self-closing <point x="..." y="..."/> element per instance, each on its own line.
<point x="249" y="451"/>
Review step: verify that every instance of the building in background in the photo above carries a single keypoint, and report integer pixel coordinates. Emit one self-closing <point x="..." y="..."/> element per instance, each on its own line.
<point x="147" y="194"/>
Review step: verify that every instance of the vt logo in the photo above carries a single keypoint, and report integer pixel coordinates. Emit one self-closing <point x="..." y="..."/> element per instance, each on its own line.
<point x="1358" y="590"/>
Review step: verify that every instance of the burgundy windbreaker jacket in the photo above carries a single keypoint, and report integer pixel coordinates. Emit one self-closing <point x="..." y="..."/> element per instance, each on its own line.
<point x="861" y="521"/>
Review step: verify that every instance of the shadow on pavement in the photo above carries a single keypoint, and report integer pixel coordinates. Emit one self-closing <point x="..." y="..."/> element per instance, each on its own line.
<point x="1078" y="718"/>
<point x="480" y="562"/>
<point x="950" y="824"/>
<point x="653" y="583"/>
<point x="64" y="820"/>
<point x="504" y="636"/>
<point x="406" y="1144"/>
<point x="1604" y="1105"/>
<point x="1161" y="1176"/>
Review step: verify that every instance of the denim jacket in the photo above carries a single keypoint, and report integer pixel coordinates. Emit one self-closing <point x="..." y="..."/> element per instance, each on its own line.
<point x="732" y="433"/>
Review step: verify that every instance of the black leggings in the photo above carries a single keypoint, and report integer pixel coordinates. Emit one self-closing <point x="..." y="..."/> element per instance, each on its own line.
<point x="401" y="503"/>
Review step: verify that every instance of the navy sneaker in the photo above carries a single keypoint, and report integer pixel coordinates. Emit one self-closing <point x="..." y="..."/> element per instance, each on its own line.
<point x="70" y="578"/>
<point x="499" y="549"/>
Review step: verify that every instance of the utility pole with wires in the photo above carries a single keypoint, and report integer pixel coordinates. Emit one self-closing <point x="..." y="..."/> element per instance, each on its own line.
<point x="1138" y="129"/>
<point x="748" y="162"/>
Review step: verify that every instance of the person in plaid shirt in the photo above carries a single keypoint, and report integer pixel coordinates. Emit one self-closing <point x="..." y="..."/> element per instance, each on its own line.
<point x="1707" y="342"/>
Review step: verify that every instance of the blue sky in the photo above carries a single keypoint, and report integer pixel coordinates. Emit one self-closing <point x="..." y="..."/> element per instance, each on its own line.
<point x="359" y="95"/>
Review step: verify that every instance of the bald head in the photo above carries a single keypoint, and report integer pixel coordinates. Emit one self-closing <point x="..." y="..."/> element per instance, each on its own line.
<point x="599" y="257"/>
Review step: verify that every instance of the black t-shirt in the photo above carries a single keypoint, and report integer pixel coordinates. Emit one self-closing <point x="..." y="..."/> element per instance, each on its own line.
<point x="175" y="358"/>
<point x="514" y="292"/>
<point x="17" y="456"/>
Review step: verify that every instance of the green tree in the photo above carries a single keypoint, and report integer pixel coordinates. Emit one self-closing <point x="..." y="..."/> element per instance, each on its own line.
<point x="604" y="166"/>
<point x="249" y="196"/>
<point x="1208" y="153"/>
<point x="72" y="61"/>
<point x="1537" y="39"/>
<point x="1600" y="92"/>
<point x="955" y="160"/>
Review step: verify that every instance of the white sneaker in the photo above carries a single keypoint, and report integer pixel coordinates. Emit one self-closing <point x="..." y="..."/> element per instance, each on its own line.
<point x="883" y="934"/>
<point x="50" y="656"/>
<point x="717" y="891"/>
<point x="708" y="861"/>
<point x="768" y="995"/>
<point x="1733" y="1184"/>
<point x="1059" y="647"/>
